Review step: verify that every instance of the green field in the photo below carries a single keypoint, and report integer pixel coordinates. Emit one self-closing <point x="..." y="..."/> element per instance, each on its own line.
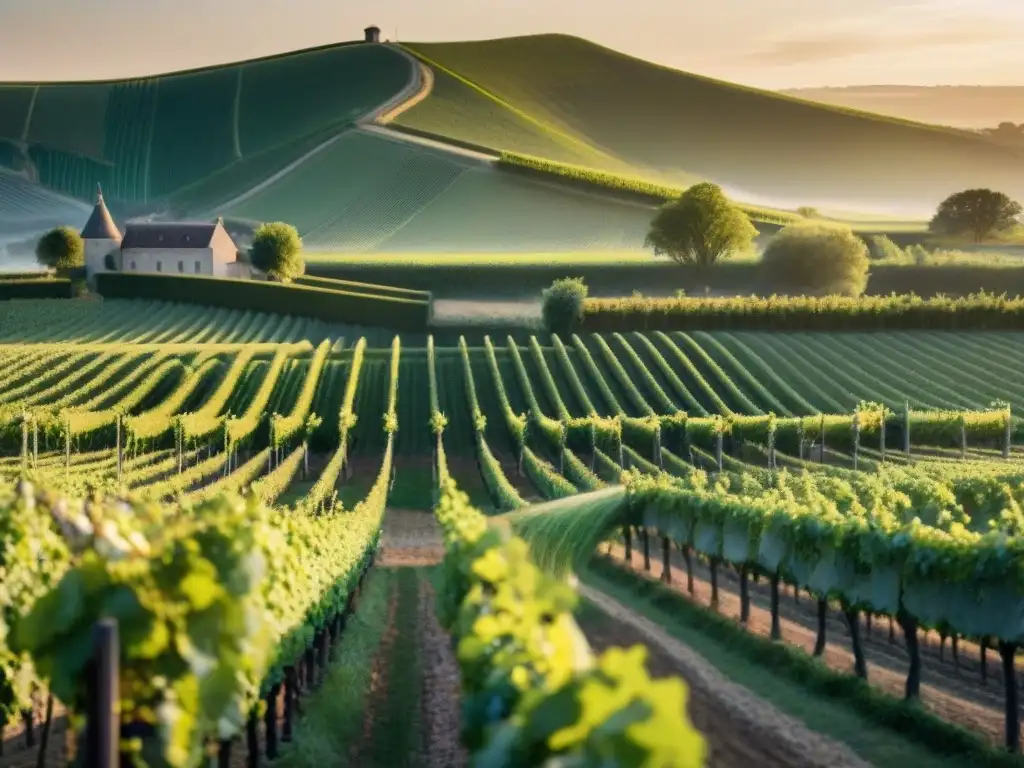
<point x="180" y="404"/>
<point x="671" y="126"/>
<point x="370" y="193"/>
<point x="138" y="137"/>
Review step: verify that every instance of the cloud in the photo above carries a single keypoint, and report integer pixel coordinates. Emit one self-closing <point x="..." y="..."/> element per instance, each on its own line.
<point x="836" y="44"/>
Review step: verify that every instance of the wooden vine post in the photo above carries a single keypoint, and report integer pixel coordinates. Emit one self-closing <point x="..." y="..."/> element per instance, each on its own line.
<point x="24" y="441"/>
<point x="117" y="447"/>
<point x="855" y="426"/>
<point x="666" y="560"/>
<point x="102" y="724"/>
<point x="881" y="432"/>
<point x="35" y="441"/>
<point x="822" y="438"/>
<point x="1008" y="653"/>
<point x="906" y="427"/>
<point x="1008" y="433"/>
<point x="718" y="445"/>
<point x="963" y="437"/>
<point x="593" y="444"/>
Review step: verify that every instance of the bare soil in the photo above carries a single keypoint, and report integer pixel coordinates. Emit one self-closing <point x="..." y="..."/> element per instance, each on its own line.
<point x="953" y="690"/>
<point x="413" y="539"/>
<point x="740" y="728"/>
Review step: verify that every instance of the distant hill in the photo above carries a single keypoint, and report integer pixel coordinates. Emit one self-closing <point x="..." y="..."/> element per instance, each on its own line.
<point x="289" y="137"/>
<point x="597" y="107"/>
<point x="963" y="106"/>
<point x="148" y="139"/>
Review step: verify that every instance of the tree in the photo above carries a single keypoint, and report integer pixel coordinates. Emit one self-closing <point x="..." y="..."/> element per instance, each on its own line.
<point x="701" y="227"/>
<point x="277" y="250"/>
<point x="61" y="249"/>
<point x="563" y="305"/>
<point x="819" y="259"/>
<point x="977" y="212"/>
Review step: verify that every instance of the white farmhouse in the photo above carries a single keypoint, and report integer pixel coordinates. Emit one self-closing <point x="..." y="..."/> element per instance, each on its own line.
<point x="176" y="248"/>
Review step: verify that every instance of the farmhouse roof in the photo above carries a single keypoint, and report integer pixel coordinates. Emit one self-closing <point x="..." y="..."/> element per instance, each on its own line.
<point x="100" y="225"/>
<point x="169" y="235"/>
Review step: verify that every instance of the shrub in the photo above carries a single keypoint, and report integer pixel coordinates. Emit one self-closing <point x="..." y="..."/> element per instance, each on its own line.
<point x="881" y="248"/>
<point x="61" y="248"/>
<point x="818" y="260"/>
<point x="808" y="212"/>
<point x="277" y="250"/>
<point x="563" y="305"/>
<point x="702" y="227"/>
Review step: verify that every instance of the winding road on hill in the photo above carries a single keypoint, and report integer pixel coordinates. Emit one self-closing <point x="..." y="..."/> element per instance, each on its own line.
<point x="416" y="89"/>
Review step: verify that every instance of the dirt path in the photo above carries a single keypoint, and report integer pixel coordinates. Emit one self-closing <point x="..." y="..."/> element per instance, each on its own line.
<point x="423" y="77"/>
<point x="741" y="728"/>
<point x="412" y="540"/>
<point x="958" y="696"/>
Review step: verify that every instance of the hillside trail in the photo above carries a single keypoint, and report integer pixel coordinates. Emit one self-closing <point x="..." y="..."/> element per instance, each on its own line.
<point x="411" y="91"/>
<point x="421" y="87"/>
<point x="741" y="729"/>
<point x="412" y="714"/>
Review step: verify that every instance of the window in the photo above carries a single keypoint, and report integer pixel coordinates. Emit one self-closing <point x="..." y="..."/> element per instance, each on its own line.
<point x="133" y="264"/>
<point x="159" y="266"/>
<point x="181" y="266"/>
<point x="199" y="267"/>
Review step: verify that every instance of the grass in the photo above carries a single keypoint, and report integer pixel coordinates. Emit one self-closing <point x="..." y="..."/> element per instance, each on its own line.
<point x="396" y="720"/>
<point x="880" y="728"/>
<point x="332" y="720"/>
<point x="483" y="259"/>
<point x="680" y="126"/>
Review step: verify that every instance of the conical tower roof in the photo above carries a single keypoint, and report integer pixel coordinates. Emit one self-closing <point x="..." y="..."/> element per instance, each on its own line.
<point x="100" y="225"/>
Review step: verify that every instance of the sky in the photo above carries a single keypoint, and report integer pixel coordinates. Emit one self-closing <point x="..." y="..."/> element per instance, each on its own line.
<point x="763" y="43"/>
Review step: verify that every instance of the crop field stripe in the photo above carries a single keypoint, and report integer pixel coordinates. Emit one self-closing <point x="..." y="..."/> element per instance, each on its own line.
<point x="713" y="374"/>
<point x="654" y="389"/>
<point x="579" y="389"/>
<point x="965" y="378"/>
<point x="786" y="403"/>
<point x="597" y="378"/>
<point x="880" y="386"/>
<point x="548" y="383"/>
<point x="789" y="370"/>
<point x="627" y="388"/>
<point x="666" y="377"/>
<point x="933" y="385"/>
<point x="761" y="370"/>
<point x="53" y="376"/>
<point x="832" y="382"/>
<point x="974" y="350"/>
<point x="159" y="420"/>
<point x="745" y="389"/>
<point x="79" y="379"/>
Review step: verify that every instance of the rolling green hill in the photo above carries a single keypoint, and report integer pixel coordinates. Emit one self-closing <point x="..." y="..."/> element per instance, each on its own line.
<point x="613" y="110"/>
<point x="368" y="192"/>
<point x="147" y="139"/>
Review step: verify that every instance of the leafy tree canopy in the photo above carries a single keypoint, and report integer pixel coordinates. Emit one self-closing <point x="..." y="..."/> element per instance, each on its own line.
<point x="61" y="248"/>
<point x="277" y="250"/>
<point x="979" y="213"/>
<point x="817" y="259"/>
<point x="702" y="227"/>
